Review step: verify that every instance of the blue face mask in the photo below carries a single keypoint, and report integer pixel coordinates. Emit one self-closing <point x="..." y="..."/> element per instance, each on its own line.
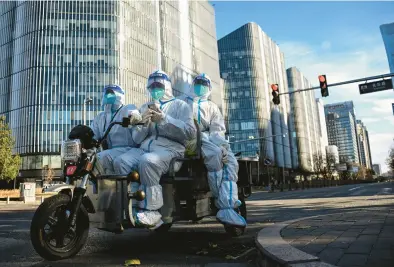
<point x="109" y="99"/>
<point x="201" y="90"/>
<point x="157" y="93"/>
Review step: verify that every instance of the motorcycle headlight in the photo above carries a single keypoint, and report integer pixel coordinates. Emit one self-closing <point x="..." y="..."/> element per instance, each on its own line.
<point x="71" y="150"/>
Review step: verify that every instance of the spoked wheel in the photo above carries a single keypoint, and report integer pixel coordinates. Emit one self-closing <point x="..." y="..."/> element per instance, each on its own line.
<point x="233" y="230"/>
<point x="49" y="233"/>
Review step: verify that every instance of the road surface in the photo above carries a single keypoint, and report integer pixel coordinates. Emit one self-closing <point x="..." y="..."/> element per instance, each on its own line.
<point x="191" y="244"/>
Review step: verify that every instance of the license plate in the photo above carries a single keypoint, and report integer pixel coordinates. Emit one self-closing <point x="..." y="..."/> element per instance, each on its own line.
<point x="70" y="170"/>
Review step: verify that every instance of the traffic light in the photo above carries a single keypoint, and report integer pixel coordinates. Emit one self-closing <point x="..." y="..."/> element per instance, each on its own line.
<point x="275" y="94"/>
<point x="323" y="86"/>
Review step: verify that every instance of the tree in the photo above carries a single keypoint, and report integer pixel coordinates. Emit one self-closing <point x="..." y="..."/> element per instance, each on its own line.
<point x="49" y="173"/>
<point x="329" y="168"/>
<point x="369" y="173"/>
<point x="9" y="163"/>
<point x="390" y="159"/>
<point x="345" y="175"/>
<point x="319" y="163"/>
<point x="361" y="173"/>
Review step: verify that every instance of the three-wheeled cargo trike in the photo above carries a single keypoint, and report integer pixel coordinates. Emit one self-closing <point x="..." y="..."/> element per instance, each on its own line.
<point x="60" y="225"/>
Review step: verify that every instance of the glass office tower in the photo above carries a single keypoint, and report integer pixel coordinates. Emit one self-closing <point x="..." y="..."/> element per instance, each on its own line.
<point x="307" y="121"/>
<point x="249" y="63"/>
<point x="55" y="55"/>
<point x="387" y="31"/>
<point x="364" y="147"/>
<point x="342" y="130"/>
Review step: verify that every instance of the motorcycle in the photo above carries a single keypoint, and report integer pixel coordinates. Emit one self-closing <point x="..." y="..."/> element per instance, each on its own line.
<point x="60" y="225"/>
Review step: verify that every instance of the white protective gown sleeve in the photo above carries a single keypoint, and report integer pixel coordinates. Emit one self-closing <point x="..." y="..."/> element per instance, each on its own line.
<point x="222" y="178"/>
<point x="164" y="141"/>
<point x="119" y="139"/>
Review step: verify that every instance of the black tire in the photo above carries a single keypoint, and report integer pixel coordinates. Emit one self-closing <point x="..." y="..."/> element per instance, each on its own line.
<point x="164" y="228"/>
<point x="236" y="231"/>
<point x="57" y="205"/>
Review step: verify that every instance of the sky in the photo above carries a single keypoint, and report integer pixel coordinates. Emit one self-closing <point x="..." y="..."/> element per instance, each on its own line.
<point x="339" y="39"/>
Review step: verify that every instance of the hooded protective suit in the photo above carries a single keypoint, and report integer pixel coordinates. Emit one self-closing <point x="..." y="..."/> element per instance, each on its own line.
<point x="220" y="161"/>
<point x="119" y="140"/>
<point x="162" y="138"/>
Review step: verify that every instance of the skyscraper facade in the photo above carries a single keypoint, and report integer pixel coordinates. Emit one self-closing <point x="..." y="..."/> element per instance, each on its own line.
<point x="322" y="125"/>
<point x="54" y="55"/>
<point x="364" y="147"/>
<point x="307" y="122"/>
<point x="249" y="63"/>
<point x="387" y="31"/>
<point x="377" y="169"/>
<point x="342" y="130"/>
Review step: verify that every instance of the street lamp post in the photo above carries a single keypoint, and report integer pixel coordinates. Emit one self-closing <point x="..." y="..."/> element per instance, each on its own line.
<point x="86" y="101"/>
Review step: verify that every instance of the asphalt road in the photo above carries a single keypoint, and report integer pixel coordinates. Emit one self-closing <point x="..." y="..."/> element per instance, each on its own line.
<point x="191" y="244"/>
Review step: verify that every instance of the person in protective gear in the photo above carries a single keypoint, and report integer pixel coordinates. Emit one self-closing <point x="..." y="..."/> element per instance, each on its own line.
<point x="220" y="162"/>
<point x="168" y="123"/>
<point x="120" y="139"/>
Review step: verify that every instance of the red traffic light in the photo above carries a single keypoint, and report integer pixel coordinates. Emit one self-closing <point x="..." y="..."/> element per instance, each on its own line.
<point x="274" y="87"/>
<point x="322" y="79"/>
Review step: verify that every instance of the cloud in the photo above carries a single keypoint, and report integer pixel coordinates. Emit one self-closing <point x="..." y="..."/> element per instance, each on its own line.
<point x="356" y="55"/>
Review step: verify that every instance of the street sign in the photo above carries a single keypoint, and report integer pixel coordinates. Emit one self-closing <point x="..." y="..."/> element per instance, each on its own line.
<point x="267" y="161"/>
<point x="377" y="86"/>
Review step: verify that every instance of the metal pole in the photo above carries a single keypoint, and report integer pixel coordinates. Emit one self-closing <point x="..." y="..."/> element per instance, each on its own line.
<point x="342" y="83"/>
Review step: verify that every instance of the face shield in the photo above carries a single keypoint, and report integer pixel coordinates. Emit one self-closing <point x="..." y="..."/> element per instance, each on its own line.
<point x="159" y="86"/>
<point x="201" y="86"/>
<point x="113" y="95"/>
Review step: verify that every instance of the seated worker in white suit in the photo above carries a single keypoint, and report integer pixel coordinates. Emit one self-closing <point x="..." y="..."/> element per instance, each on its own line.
<point x="168" y="126"/>
<point x="119" y="139"/>
<point x="221" y="163"/>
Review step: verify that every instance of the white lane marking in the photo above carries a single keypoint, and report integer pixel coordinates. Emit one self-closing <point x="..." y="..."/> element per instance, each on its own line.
<point x="358" y="192"/>
<point x="351" y="189"/>
<point x="385" y="191"/>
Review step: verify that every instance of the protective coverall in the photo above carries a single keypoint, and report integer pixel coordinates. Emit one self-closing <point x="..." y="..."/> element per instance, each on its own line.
<point x="119" y="140"/>
<point x="162" y="138"/>
<point x="220" y="162"/>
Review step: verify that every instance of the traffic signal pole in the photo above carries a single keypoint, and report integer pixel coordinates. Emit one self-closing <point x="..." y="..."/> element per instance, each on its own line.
<point x="342" y="83"/>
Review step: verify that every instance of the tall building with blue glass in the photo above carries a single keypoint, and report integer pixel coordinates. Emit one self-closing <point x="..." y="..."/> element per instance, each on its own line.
<point x="342" y="130"/>
<point x="387" y="31"/>
<point x="54" y="55"/>
<point x="249" y="63"/>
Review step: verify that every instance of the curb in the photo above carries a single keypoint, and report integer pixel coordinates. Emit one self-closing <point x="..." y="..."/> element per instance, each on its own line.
<point x="273" y="251"/>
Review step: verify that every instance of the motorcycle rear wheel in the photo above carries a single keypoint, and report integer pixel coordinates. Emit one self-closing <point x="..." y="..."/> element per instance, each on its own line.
<point x="53" y="212"/>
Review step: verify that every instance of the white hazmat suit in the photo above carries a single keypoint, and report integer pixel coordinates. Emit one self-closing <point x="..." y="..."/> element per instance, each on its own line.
<point x="119" y="139"/>
<point x="220" y="162"/>
<point x="162" y="138"/>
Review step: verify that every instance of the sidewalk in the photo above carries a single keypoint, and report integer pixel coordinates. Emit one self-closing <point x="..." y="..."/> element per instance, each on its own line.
<point x="364" y="238"/>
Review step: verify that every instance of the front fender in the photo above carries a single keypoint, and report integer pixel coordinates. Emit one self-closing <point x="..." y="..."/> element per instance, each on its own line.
<point x="69" y="190"/>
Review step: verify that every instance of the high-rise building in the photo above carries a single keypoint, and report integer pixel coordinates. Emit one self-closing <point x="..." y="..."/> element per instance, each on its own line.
<point x="307" y="122"/>
<point x="249" y="63"/>
<point x="364" y="147"/>
<point x="54" y="55"/>
<point x="342" y="130"/>
<point x="377" y="169"/>
<point x="322" y="126"/>
<point x="387" y="31"/>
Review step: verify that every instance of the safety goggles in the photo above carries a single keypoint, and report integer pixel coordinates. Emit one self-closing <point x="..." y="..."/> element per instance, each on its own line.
<point x="202" y="81"/>
<point x="109" y="91"/>
<point x="156" y="85"/>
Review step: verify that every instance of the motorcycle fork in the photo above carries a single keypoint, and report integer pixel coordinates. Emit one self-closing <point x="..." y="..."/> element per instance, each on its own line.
<point x="78" y="194"/>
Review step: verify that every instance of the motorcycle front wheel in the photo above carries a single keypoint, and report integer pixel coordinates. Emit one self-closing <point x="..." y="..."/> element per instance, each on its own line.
<point x="49" y="232"/>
